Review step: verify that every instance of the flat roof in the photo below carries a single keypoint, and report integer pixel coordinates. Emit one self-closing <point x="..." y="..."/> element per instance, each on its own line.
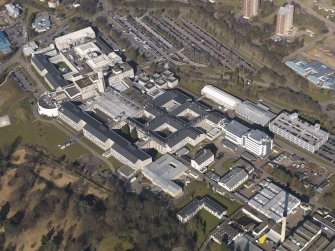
<point x="163" y="171"/>
<point x="270" y="201"/>
<point x="299" y="128"/>
<point x="236" y="128"/>
<point x="254" y="113"/>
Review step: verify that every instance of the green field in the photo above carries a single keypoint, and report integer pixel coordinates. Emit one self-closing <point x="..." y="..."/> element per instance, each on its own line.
<point x="226" y="164"/>
<point x="113" y="243"/>
<point x="17" y="105"/>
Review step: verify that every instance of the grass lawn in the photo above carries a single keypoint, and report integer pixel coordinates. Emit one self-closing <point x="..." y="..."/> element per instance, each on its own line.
<point x="226" y="164"/>
<point x="200" y="189"/>
<point x="36" y="132"/>
<point x="213" y="246"/>
<point x="113" y="243"/>
<point x="210" y="222"/>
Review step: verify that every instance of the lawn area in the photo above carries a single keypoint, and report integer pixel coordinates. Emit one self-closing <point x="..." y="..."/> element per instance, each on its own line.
<point x="226" y="164"/>
<point x="113" y="243"/>
<point x="24" y="124"/>
<point x="200" y="189"/>
<point x="36" y="132"/>
<point x="213" y="246"/>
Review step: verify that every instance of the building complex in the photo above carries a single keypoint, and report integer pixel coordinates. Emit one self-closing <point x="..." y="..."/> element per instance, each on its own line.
<point x="173" y="120"/>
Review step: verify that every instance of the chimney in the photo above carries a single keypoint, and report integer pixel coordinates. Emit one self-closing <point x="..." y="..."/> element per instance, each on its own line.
<point x="283" y="229"/>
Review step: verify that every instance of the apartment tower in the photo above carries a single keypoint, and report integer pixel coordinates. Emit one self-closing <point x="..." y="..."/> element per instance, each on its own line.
<point x="250" y="8"/>
<point x="284" y="20"/>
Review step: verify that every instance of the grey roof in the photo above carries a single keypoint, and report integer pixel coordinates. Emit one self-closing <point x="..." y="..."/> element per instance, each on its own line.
<point x="121" y="145"/>
<point x="163" y="171"/>
<point x="202" y="156"/>
<point x="168" y="96"/>
<point x="206" y="202"/>
<point x="53" y="76"/>
<point x="254" y="113"/>
<point x="236" y="128"/>
<point x="233" y="177"/>
<point x="258" y="135"/>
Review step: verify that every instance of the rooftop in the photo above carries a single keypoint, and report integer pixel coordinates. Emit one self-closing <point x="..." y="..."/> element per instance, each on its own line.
<point x="233" y="177"/>
<point x="202" y="156"/>
<point x="236" y="128"/>
<point x="163" y="171"/>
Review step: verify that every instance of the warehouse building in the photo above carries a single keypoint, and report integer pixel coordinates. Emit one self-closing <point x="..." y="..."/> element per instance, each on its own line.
<point x="162" y="173"/>
<point x="202" y="159"/>
<point x="298" y="131"/>
<point x="220" y="97"/>
<point x="207" y="203"/>
<point x="233" y="179"/>
<point x="257" y="114"/>
<point x="270" y="201"/>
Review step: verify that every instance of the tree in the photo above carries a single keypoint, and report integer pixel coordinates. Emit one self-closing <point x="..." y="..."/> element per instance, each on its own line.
<point x="133" y="133"/>
<point x="125" y="129"/>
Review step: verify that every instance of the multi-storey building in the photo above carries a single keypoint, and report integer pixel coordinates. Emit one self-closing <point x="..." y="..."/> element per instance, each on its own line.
<point x="298" y="131"/>
<point x="258" y="143"/>
<point x="250" y="8"/>
<point x="255" y="141"/>
<point x="284" y="20"/>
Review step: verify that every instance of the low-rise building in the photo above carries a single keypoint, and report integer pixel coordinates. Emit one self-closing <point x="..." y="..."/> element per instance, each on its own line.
<point x="220" y="97"/>
<point x="202" y="159"/>
<point x="225" y="233"/>
<point x="12" y="10"/>
<point x="207" y="203"/>
<point x="53" y="3"/>
<point x="233" y="179"/>
<point x="162" y="173"/>
<point x="258" y="114"/>
<point x="41" y="24"/>
<point x="271" y="201"/>
<point x="298" y="131"/>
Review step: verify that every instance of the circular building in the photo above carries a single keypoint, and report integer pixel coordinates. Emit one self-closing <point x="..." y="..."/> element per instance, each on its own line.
<point x="46" y="106"/>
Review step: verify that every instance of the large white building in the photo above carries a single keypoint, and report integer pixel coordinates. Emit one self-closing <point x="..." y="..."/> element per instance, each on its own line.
<point x="298" y="131"/>
<point x="254" y="141"/>
<point x="220" y="97"/>
<point x="46" y="107"/>
<point x="258" y="143"/>
<point x="74" y="38"/>
<point x="255" y="113"/>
